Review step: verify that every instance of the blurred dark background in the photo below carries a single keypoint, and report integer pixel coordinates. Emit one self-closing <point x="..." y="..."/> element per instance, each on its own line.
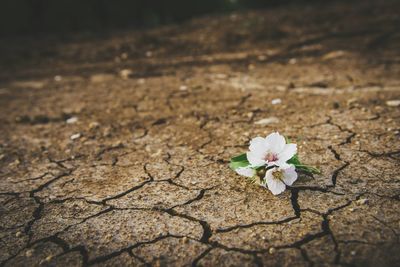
<point x="52" y="16"/>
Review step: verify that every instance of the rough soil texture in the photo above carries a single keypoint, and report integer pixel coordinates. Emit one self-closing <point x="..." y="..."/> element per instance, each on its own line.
<point x="142" y="178"/>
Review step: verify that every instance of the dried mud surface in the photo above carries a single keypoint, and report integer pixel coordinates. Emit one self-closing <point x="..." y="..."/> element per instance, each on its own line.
<point x="142" y="178"/>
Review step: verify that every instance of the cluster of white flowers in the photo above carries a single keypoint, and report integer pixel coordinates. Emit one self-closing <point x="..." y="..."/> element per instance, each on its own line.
<point x="273" y="154"/>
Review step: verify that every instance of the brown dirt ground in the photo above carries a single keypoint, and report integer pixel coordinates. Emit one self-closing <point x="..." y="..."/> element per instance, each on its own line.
<point x="146" y="181"/>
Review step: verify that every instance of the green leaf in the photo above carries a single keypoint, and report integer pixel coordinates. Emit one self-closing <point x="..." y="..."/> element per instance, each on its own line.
<point x="239" y="161"/>
<point x="241" y="157"/>
<point x="294" y="160"/>
<point x="237" y="164"/>
<point x="308" y="169"/>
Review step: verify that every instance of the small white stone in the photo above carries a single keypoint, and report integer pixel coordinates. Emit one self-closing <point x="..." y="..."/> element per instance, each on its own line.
<point x="261" y="57"/>
<point x="125" y="73"/>
<point x="221" y="76"/>
<point x="29" y="252"/>
<point x="353" y="252"/>
<point x="292" y="61"/>
<point x="149" y="54"/>
<point x="393" y="103"/>
<point x="276" y="101"/>
<point x="333" y="55"/>
<point x="75" y="136"/>
<point x="72" y="120"/>
<point x="101" y="78"/>
<point x="94" y="125"/>
<point x="362" y="201"/>
<point x="271" y="250"/>
<point x="266" y="121"/>
<point x="351" y="101"/>
<point x="57" y="78"/>
<point x="183" y="88"/>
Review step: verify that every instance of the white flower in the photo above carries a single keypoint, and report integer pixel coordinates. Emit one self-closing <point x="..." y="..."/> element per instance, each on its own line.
<point x="277" y="178"/>
<point x="246" y="171"/>
<point x="270" y="151"/>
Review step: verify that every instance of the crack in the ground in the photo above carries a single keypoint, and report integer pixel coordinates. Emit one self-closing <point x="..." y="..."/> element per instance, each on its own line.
<point x="240" y="226"/>
<point x="336" y="173"/>
<point x="197" y="198"/>
<point x="383" y="154"/>
<point x="139" y="258"/>
<point x="348" y="138"/>
<point x="335" y="153"/>
<point x="201" y="256"/>
<point x="317" y="189"/>
<point x="326" y="230"/>
<point x="108" y="149"/>
<point x="305" y="256"/>
<point x="104" y="258"/>
<point x="294" y="201"/>
<point x="207" y="232"/>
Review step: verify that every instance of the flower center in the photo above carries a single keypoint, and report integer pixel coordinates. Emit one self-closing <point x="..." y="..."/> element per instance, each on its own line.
<point x="271" y="157"/>
<point x="277" y="175"/>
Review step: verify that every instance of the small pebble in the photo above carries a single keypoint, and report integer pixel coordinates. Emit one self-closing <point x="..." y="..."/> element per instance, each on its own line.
<point x="94" y="125"/>
<point x="72" y="120"/>
<point x="125" y="73"/>
<point x="221" y="76"/>
<point x="276" y="101"/>
<point x="353" y="253"/>
<point x="29" y="252"/>
<point x="271" y="250"/>
<point x="393" y="103"/>
<point x="57" y="78"/>
<point x="351" y="101"/>
<point x="267" y="121"/>
<point x="15" y="163"/>
<point x="18" y="234"/>
<point x="333" y="54"/>
<point x="261" y="57"/>
<point x="362" y="201"/>
<point x="75" y="136"/>
<point x="183" y="88"/>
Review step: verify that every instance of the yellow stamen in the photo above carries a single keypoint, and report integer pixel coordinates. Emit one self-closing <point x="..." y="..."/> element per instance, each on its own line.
<point x="277" y="175"/>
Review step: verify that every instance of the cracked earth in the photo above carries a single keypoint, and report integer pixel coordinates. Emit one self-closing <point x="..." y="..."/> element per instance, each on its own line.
<point x="113" y="156"/>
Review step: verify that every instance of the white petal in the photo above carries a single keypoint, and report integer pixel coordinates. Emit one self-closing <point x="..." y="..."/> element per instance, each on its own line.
<point x="258" y="146"/>
<point x="289" y="175"/>
<point x="274" y="185"/>
<point x="281" y="164"/>
<point x="275" y="142"/>
<point x="255" y="159"/>
<point x="246" y="171"/>
<point x="273" y="163"/>
<point x="288" y="152"/>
